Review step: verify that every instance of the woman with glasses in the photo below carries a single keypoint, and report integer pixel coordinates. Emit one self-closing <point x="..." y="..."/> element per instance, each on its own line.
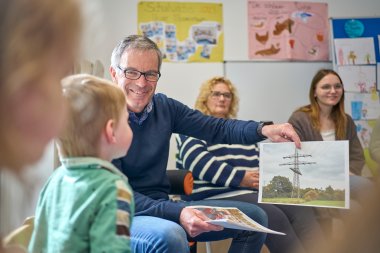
<point x="324" y="119"/>
<point x="230" y="172"/>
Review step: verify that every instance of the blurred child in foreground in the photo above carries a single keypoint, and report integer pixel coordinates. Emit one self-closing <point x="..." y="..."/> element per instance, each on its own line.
<point x="39" y="42"/>
<point x="38" y="45"/>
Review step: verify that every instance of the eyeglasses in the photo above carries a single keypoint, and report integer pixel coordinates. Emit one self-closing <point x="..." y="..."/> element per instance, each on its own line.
<point x="328" y="87"/>
<point x="150" y="76"/>
<point x="218" y="94"/>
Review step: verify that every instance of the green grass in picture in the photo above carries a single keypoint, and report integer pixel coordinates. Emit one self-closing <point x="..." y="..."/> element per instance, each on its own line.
<point x="303" y="202"/>
<point x="325" y="203"/>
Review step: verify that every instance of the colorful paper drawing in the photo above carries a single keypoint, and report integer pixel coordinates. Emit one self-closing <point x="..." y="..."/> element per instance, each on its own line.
<point x="288" y="30"/>
<point x="359" y="78"/>
<point x="364" y="131"/>
<point x="184" y="31"/>
<point x="354" y="28"/>
<point x="315" y="175"/>
<point x="362" y="106"/>
<point x="355" y="51"/>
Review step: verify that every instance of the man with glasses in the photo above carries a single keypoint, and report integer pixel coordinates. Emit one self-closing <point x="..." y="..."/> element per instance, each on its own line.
<point x="160" y="224"/>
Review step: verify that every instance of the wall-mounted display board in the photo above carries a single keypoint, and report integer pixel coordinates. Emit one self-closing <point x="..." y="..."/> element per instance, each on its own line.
<point x="357" y="60"/>
<point x="355" y="28"/>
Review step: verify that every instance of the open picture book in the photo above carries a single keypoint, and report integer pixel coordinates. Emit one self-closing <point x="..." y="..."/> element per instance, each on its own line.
<point x="230" y="217"/>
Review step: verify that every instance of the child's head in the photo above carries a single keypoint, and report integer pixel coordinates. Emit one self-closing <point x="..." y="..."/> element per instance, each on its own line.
<point x="98" y="119"/>
<point x="39" y="40"/>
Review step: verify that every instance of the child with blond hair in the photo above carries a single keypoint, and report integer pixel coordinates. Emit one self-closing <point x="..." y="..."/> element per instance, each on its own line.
<point x="87" y="204"/>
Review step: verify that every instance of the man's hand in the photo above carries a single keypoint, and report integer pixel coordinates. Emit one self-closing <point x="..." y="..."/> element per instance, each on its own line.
<point x="250" y="179"/>
<point x="193" y="221"/>
<point x="281" y="133"/>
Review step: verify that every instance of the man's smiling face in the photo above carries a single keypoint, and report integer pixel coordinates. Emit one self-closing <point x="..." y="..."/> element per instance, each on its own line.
<point x="138" y="92"/>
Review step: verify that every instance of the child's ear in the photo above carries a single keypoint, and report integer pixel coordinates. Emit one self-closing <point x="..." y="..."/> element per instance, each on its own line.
<point x="110" y="131"/>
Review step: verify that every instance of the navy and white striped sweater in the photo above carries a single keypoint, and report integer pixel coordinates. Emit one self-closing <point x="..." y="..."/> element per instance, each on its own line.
<point x="217" y="169"/>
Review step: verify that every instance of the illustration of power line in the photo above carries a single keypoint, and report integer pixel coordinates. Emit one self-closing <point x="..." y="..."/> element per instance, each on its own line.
<point x="296" y="170"/>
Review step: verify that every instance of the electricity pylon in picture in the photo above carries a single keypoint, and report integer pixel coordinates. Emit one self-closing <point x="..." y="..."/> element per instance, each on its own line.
<point x="296" y="170"/>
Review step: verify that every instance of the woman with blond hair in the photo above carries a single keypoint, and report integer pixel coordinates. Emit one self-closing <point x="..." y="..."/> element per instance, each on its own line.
<point x="230" y="172"/>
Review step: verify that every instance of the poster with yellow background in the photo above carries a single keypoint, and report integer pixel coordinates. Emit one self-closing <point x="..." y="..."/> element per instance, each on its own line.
<point x="184" y="31"/>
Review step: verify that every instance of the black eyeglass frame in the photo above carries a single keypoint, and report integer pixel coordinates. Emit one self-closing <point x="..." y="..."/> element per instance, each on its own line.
<point x="141" y="74"/>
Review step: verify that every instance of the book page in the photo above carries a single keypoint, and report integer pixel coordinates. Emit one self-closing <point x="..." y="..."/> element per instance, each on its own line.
<point x="230" y="217"/>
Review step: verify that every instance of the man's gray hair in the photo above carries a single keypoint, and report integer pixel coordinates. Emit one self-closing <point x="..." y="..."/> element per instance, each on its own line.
<point x="137" y="42"/>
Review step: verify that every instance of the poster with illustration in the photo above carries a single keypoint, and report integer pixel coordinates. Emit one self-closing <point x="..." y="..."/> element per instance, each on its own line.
<point x="288" y="30"/>
<point x="362" y="106"/>
<point x="184" y="31"/>
<point x="355" y="51"/>
<point x="358" y="78"/>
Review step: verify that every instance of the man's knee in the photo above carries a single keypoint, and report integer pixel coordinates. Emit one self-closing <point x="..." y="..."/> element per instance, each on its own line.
<point x="257" y="214"/>
<point x="172" y="234"/>
<point x="164" y="237"/>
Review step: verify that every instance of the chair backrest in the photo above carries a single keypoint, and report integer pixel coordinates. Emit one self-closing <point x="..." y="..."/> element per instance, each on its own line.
<point x="21" y="236"/>
<point x="181" y="182"/>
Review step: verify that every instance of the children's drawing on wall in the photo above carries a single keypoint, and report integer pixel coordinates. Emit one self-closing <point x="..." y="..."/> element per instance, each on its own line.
<point x="170" y="31"/>
<point x="362" y="106"/>
<point x="364" y="131"/>
<point x="358" y="78"/>
<point x="204" y="34"/>
<point x="269" y="51"/>
<point x="184" y="31"/>
<point x="170" y="49"/>
<point x="190" y="46"/>
<point x="288" y="30"/>
<point x="354" y="28"/>
<point x="206" y="51"/>
<point x="152" y="29"/>
<point x="203" y="37"/>
<point x="355" y="51"/>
